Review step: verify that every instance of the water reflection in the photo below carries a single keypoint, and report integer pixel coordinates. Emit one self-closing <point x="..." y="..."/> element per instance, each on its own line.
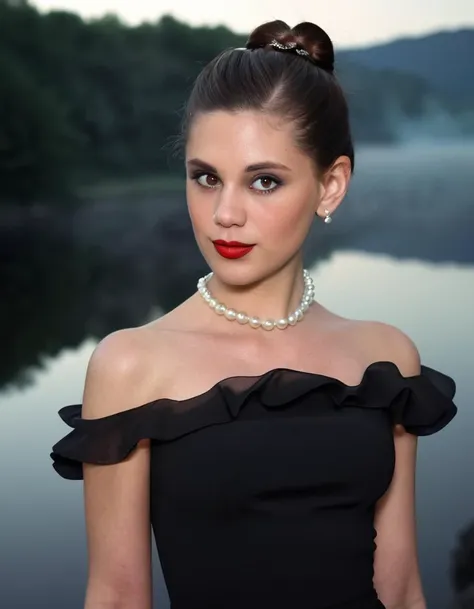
<point x="462" y="569"/>
<point x="113" y="263"/>
<point x="396" y="251"/>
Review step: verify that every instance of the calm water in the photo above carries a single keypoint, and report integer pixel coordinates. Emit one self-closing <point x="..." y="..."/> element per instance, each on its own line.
<point x="402" y="253"/>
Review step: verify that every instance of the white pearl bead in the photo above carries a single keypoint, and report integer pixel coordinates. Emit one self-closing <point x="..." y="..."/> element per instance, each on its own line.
<point x="230" y="314"/>
<point x="255" y="322"/>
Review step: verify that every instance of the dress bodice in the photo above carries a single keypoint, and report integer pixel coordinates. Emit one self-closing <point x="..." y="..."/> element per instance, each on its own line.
<point x="263" y="489"/>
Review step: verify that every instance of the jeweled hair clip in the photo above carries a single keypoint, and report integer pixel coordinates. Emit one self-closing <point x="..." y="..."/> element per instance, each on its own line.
<point x="288" y="46"/>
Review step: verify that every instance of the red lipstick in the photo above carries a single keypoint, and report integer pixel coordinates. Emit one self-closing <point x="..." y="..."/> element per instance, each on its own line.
<point x="232" y="249"/>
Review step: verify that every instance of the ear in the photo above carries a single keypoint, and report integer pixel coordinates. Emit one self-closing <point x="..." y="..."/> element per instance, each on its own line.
<point x="334" y="185"/>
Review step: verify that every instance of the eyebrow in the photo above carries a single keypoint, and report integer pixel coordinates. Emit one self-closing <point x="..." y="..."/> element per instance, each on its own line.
<point x="254" y="167"/>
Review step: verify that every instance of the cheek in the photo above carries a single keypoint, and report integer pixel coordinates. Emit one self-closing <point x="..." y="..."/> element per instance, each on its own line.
<point x="289" y="222"/>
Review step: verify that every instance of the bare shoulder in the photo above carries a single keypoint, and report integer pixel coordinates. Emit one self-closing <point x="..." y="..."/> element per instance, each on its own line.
<point x="383" y="342"/>
<point x="122" y="371"/>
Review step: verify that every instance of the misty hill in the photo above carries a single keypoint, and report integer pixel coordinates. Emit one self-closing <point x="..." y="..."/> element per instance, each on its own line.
<point x="83" y="101"/>
<point x="444" y="60"/>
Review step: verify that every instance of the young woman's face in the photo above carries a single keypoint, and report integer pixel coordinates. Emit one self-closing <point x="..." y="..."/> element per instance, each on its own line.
<point x="247" y="182"/>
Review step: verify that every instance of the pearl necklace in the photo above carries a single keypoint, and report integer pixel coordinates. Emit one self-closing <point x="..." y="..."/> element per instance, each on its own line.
<point x="256" y="322"/>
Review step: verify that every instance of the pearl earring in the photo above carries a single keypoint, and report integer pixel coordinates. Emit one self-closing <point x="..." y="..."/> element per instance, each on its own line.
<point x="328" y="218"/>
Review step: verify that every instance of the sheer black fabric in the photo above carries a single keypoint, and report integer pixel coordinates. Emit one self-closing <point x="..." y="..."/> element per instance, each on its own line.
<point x="263" y="489"/>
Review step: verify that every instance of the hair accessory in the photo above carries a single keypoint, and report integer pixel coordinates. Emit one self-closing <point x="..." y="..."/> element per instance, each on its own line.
<point x="328" y="218"/>
<point x="288" y="46"/>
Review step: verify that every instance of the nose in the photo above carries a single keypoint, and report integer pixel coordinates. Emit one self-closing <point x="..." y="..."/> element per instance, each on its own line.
<point x="229" y="211"/>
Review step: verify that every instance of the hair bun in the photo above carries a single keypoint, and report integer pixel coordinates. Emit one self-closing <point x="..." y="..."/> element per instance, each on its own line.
<point x="307" y="36"/>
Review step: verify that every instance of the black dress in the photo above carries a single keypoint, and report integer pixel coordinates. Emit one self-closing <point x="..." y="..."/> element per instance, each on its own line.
<point x="263" y="488"/>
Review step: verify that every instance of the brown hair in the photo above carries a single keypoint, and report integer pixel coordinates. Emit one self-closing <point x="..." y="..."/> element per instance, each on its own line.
<point x="288" y="72"/>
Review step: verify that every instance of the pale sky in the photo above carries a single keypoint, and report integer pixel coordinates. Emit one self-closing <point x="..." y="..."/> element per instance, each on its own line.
<point x="348" y="22"/>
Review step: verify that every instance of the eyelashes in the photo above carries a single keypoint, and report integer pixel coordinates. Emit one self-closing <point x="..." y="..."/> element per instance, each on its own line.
<point x="197" y="175"/>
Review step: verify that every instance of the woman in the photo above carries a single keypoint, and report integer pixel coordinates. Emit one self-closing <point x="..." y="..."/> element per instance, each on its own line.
<point x="270" y="442"/>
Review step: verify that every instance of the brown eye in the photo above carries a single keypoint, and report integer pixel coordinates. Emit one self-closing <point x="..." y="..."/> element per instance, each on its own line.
<point x="267" y="184"/>
<point x="207" y="180"/>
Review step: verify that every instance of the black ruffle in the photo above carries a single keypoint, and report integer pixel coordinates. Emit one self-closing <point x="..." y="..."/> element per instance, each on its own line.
<point x="422" y="404"/>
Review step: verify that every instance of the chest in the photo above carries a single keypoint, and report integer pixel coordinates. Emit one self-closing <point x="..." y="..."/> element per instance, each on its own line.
<point x="306" y="456"/>
<point x="198" y="366"/>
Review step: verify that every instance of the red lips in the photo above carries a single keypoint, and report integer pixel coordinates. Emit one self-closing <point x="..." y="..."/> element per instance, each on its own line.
<point x="232" y="249"/>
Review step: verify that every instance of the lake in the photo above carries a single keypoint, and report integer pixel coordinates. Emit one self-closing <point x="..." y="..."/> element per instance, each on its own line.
<point x="400" y="250"/>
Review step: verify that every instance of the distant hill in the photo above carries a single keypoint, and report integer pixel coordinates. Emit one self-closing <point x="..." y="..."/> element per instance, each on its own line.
<point x="89" y="100"/>
<point x="445" y="60"/>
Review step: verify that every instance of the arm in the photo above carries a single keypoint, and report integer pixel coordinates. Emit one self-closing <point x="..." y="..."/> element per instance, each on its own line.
<point x="116" y="497"/>
<point x="396" y="570"/>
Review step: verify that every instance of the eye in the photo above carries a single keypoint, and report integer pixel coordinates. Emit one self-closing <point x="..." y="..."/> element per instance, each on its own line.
<point x="266" y="183"/>
<point x="207" y="180"/>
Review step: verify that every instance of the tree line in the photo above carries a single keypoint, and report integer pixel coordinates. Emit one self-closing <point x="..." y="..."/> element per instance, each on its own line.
<point x="84" y="99"/>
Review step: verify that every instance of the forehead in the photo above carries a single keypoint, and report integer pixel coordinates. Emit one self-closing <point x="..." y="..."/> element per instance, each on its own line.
<point x="242" y="137"/>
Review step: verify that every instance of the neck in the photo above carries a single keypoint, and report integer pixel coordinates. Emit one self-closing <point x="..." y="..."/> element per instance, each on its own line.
<point x="274" y="298"/>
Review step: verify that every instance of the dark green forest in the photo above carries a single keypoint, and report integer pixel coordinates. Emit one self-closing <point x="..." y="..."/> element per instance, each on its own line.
<point x="85" y="101"/>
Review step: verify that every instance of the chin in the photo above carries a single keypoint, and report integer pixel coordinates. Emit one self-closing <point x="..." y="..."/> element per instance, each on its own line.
<point x="237" y="273"/>
<point x="233" y="274"/>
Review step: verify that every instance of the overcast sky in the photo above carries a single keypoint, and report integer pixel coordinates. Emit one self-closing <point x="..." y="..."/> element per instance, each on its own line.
<point x="348" y="22"/>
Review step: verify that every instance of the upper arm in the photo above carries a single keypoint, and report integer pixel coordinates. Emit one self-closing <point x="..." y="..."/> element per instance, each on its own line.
<point x="396" y="571"/>
<point x="116" y="497"/>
